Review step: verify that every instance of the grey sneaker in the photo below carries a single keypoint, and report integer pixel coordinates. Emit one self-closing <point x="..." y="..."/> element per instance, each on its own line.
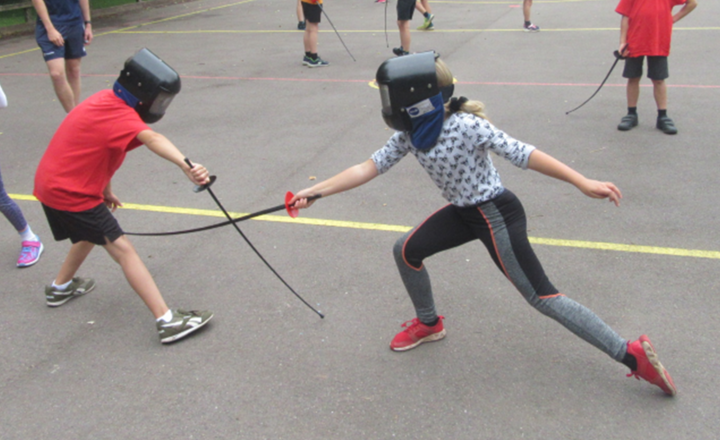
<point x="628" y="122"/>
<point x="78" y="287"/>
<point x="666" y="124"/>
<point x="182" y="324"/>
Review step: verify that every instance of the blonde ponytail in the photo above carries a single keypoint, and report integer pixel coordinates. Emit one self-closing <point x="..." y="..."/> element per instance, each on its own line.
<point x="445" y="78"/>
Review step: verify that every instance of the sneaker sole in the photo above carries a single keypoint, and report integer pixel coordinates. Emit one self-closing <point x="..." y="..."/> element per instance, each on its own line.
<point x="315" y="65"/>
<point x="666" y="131"/>
<point x="669" y="387"/>
<point x="174" y="338"/>
<point x="75" y="295"/>
<point x="626" y="128"/>
<point x="42" y="248"/>
<point x="432" y="338"/>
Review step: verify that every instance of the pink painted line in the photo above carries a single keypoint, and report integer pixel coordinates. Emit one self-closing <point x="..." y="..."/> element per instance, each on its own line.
<point x="488" y="83"/>
<point x="240" y="78"/>
<point x="365" y="81"/>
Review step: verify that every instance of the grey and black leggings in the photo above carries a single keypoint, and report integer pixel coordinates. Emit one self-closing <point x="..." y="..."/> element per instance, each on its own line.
<point x="502" y="227"/>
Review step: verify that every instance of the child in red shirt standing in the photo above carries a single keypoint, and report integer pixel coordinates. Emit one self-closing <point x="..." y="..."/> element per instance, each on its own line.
<point x="645" y="31"/>
<point x="73" y="183"/>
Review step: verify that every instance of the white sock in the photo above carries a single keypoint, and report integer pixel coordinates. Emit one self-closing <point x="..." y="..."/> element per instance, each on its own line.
<point x="61" y="286"/>
<point x="28" y="235"/>
<point x="166" y="317"/>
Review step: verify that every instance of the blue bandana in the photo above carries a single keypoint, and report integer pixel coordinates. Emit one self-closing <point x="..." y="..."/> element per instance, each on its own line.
<point x="427" y="118"/>
<point x="122" y="93"/>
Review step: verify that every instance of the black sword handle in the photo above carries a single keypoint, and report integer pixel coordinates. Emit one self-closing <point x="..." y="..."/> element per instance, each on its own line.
<point x="199" y="188"/>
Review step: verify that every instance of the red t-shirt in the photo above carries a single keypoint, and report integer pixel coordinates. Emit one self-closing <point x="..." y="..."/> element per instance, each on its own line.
<point x="650" y="26"/>
<point x="87" y="149"/>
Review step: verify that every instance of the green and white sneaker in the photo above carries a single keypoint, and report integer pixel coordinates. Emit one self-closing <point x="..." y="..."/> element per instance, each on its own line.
<point x="182" y="324"/>
<point x="427" y="24"/>
<point x="78" y="287"/>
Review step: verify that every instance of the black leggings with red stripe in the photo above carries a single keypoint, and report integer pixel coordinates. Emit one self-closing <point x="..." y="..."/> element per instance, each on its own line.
<point x="500" y="224"/>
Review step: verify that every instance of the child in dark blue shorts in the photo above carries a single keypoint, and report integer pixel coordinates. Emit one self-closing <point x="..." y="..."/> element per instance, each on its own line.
<point x="62" y="30"/>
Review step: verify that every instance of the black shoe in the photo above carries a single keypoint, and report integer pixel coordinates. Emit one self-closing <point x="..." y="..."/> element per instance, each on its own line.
<point x="301" y="25"/>
<point x="627" y="122"/>
<point x="399" y="51"/>
<point x="314" y="62"/>
<point x="666" y="124"/>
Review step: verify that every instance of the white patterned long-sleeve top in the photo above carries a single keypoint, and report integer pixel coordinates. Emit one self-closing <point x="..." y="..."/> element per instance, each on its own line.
<point x="460" y="163"/>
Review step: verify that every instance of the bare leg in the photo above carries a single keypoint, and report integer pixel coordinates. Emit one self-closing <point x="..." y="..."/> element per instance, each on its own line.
<point x="660" y="92"/>
<point x="404" y="28"/>
<point x="78" y="252"/>
<point x="527" y="4"/>
<point x="310" y="38"/>
<point x="633" y="91"/>
<point x="123" y="252"/>
<point x="72" y="68"/>
<point x="62" y="87"/>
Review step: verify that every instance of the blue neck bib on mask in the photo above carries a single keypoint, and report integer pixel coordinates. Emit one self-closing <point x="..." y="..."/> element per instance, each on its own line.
<point x="122" y="93"/>
<point x="427" y="118"/>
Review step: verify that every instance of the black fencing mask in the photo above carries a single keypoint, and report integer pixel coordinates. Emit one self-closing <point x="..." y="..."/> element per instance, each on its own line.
<point x="148" y="85"/>
<point x="411" y="99"/>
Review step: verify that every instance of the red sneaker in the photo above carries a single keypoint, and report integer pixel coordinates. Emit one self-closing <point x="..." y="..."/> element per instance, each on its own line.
<point x="416" y="333"/>
<point x="649" y="366"/>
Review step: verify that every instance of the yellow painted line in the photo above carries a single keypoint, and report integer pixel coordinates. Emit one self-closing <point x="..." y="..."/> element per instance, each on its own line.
<point x="189" y="14"/>
<point x="617" y="247"/>
<point x="367" y="31"/>
<point x="677" y="252"/>
<point x="19" y="53"/>
<point x="123" y="30"/>
<point x="519" y="4"/>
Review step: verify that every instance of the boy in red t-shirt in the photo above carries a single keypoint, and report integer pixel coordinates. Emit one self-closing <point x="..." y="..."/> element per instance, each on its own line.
<point x="645" y="31"/>
<point x="73" y="183"/>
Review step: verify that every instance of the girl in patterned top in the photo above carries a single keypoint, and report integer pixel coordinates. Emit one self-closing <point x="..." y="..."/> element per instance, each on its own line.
<point x="480" y="208"/>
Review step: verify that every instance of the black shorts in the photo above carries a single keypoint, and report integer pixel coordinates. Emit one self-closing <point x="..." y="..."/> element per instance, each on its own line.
<point x="93" y="225"/>
<point x="405" y="9"/>
<point x="311" y="12"/>
<point x="657" y="67"/>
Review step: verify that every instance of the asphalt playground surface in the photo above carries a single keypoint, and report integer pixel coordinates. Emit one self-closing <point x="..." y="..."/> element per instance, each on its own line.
<point x="267" y="367"/>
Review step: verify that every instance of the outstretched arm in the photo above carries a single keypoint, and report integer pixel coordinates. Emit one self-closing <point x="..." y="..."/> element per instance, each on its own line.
<point x="352" y="177"/>
<point x="162" y="146"/>
<point x="548" y="165"/>
<point x="689" y="6"/>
